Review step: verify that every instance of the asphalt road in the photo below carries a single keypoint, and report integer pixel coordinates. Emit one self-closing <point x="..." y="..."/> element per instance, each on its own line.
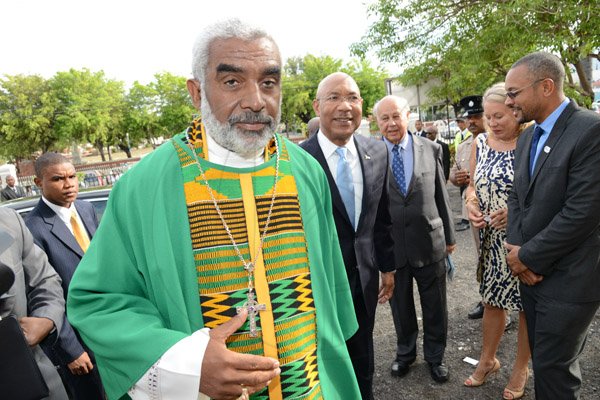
<point x="464" y="339"/>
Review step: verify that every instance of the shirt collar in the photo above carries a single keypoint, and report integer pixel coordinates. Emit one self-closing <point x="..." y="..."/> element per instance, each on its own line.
<point x="548" y="124"/>
<point x="404" y="143"/>
<point x="220" y="155"/>
<point x="63" y="213"/>
<point x="328" y="147"/>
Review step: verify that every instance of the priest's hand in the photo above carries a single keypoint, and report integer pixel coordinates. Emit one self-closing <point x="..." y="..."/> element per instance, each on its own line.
<point x="35" y="329"/>
<point x="227" y="374"/>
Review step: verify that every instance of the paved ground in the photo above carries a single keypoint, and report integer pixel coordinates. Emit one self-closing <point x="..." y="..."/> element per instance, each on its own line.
<point x="464" y="339"/>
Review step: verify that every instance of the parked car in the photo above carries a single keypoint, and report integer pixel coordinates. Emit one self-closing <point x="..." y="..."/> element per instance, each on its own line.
<point x="98" y="198"/>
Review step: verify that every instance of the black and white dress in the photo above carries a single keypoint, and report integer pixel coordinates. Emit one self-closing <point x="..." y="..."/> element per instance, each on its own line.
<point x="494" y="174"/>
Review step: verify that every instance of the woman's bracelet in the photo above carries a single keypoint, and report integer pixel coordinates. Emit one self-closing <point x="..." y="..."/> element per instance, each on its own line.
<point x="471" y="199"/>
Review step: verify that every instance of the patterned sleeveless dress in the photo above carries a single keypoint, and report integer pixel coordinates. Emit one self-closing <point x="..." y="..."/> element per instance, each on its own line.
<point x="494" y="176"/>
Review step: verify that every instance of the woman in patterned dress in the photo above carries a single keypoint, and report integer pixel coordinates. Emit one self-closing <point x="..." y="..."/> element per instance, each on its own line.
<point x="492" y="166"/>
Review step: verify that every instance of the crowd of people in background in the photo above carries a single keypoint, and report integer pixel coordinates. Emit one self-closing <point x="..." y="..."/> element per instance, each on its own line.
<point x="231" y="263"/>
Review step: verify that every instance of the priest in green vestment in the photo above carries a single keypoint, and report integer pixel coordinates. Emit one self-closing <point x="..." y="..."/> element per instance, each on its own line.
<point x="216" y="270"/>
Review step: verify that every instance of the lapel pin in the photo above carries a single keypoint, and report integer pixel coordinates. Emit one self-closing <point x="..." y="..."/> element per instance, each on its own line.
<point x="367" y="157"/>
<point x="546" y="149"/>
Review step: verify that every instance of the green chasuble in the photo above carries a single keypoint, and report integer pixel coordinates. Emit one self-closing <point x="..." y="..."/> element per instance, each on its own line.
<point x="148" y="278"/>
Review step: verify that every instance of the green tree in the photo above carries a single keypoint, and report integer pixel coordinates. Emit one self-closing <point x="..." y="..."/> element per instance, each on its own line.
<point x="302" y="77"/>
<point x="468" y="45"/>
<point x="174" y="108"/>
<point x="90" y="107"/>
<point x="27" y="116"/>
<point x="140" y="120"/>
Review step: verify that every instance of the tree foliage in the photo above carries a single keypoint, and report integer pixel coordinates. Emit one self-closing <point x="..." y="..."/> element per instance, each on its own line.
<point x="468" y="45"/>
<point x="27" y="116"/>
<point x="90" y="107"/>
<point x="302" y="77"/>
<point x="83" y="106"/>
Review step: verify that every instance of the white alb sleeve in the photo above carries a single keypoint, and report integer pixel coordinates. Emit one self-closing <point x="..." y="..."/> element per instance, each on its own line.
<point x="176" y="375"/>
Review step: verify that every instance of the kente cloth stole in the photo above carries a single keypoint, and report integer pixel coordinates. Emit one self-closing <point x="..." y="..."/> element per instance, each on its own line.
<point x="287" y="329"/>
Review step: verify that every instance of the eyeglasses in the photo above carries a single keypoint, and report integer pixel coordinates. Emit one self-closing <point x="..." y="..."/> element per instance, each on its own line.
<point x="514" y="93"/>
<point x="336" y="99"/>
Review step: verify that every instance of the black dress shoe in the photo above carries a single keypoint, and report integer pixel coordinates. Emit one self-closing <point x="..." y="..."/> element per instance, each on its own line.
<point x="477" y="312"/>
<point x="400" y="368"/>
<point x="439" y="372"/>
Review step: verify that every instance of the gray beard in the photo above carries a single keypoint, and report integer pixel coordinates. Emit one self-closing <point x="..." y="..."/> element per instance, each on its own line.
<point x="247" y="144"/>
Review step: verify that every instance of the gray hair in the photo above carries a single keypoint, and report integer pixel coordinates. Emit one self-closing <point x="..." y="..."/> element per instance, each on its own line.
<point x="400" y="101"/>
<point x="543" y="65"/>
<point x="226" y="29"/>
<point x="46" y="160"/>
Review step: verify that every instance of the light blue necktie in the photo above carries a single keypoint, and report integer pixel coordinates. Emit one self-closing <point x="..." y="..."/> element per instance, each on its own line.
<point x="344" y="183"/>
<point x="398" y="168"/>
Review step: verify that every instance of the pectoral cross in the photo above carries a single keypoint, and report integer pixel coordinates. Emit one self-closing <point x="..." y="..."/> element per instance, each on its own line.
<point x="252" y="306"/>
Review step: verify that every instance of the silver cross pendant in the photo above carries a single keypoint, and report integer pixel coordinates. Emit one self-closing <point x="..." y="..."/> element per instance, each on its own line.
<point x="253" y="308"/>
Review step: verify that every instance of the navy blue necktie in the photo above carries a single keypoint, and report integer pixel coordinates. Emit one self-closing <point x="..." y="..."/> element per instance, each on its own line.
<point x="398" y="168"/>
<point x="537" y="133"/>
<point x="345" y="183"/>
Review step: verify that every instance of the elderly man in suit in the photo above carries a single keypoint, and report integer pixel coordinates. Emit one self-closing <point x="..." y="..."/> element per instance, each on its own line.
<point x="553" y="234"/>
<point x="357" y="171"/>
<point x="35" y="298"/>
<point x="423" y="236"/>
<point x="12" y="191"/>
<point x="63" y="227"/>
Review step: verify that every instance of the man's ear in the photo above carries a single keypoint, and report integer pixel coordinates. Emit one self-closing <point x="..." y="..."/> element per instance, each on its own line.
<point x="37" y="181"/>
<point x="193" y="87"/>
<point x="315" y="105"/>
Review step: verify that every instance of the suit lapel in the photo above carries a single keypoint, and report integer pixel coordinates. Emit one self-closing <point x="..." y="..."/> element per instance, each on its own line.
<point x="59" y="229"/>
<point x="366" y="166"/>
<point x="417" y="161"/>
<point x="315" y="150"/>
<point x="87" y="218"/>
<point x="557" y="131"/>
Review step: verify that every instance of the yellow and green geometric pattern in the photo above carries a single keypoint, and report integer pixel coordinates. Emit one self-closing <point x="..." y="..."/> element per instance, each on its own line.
<point x="287" y="328"/>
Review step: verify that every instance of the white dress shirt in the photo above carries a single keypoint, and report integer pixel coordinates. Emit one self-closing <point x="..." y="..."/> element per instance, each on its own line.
<point x="64" y="214"/>
<point x="328" y="148"/>
<point x="176" y="375"/>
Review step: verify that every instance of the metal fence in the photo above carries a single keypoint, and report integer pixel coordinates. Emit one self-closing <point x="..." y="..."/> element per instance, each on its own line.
<point x="89" y="175"/>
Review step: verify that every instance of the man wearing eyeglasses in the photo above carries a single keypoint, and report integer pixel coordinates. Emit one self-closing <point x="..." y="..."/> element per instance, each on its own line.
<point x="357" y="172"/>
<point x="553" y="234"/>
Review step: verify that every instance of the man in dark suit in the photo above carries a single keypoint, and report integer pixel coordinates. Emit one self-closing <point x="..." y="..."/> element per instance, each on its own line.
<point x="553" y="234"/>
<point x="63" y="228"/>
<point x="35" y="297"/>
<point x="357" y="171"/>
<point x="423" y="236"/>
<point x="12" y="191"/>
<point x="419" y="131"/>
<point x="432" y="134"/>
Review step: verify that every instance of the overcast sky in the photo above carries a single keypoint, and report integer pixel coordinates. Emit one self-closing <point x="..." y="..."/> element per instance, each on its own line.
<point x="132" y="39"/>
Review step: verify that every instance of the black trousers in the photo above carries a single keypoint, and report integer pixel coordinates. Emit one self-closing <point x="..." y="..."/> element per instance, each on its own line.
<point x="431" y="283"/>
<point x="360" y="346"/>
<point x="557" y="332"/>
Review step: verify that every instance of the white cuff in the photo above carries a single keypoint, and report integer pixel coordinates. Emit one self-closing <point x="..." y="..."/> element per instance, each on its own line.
<point x="176" y="375"/>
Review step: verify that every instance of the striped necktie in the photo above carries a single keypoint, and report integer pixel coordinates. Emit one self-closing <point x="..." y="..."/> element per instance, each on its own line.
<point x="79" y="232"/>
